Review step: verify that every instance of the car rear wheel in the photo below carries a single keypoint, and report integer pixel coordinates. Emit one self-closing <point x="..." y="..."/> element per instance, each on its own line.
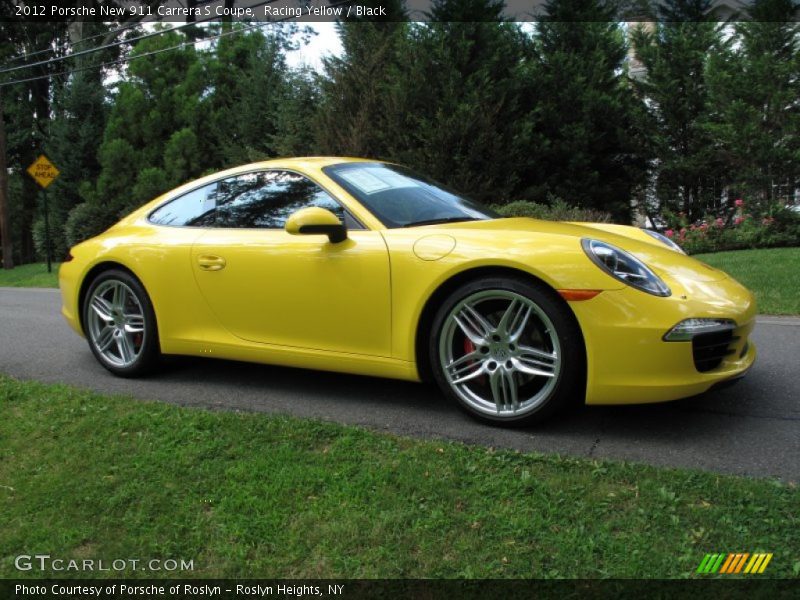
<point x="507" y="350"/>
<point x="120" y="324"/>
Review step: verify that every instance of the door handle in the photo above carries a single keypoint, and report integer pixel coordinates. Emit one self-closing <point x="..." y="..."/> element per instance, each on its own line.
<point x="210" y="262"/>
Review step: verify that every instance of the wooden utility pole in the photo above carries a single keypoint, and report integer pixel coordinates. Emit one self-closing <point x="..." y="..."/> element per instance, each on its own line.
<point x="5" y="224"/>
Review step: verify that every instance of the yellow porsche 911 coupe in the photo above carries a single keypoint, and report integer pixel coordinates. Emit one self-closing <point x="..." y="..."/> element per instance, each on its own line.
<point x="366" y="267"/>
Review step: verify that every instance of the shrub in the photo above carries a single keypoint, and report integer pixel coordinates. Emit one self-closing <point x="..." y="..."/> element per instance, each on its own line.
<point x="150" y="183"/>
<point x="57" y="247"/>
<point x="557" y="210"/>
<point x="774" y="227"/>
<point x="88" y="220"/>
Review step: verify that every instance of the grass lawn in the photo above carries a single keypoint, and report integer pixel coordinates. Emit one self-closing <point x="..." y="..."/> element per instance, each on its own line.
<point x="773" y="274"/>
<point x="84" y="475"/>
<point x="33" y="275"/>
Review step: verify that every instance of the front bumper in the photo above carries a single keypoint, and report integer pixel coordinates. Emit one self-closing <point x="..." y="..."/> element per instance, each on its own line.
<point x="630" y="363"/>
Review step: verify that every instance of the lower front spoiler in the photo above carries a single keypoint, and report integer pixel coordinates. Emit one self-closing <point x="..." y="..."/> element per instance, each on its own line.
<point x="730" y="381"/>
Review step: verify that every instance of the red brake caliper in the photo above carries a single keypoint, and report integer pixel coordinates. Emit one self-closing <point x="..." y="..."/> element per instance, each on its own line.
<point x="469" y="347"/>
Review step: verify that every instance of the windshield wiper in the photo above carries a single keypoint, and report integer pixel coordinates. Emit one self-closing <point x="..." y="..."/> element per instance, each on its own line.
<point x="441" y="220"/>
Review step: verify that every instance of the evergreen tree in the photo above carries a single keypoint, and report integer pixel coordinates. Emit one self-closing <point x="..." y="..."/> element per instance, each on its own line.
<point x="455" y="101"/>
<point x="182" y="113"/>
<point x="588" y="148"/>
<point x="296" y="110"/>
<point x="755" y="87"/>
<point x="76" y="128"/>
<point x="247" y="85"/>
<point x="351" y="119"/>
<point x="27" y="109"/>
<point x="155" y="113"/>
<point x="675" y="54"/>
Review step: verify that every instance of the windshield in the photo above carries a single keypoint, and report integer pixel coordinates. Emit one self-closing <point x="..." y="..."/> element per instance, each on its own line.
<point x="401" y="198"/>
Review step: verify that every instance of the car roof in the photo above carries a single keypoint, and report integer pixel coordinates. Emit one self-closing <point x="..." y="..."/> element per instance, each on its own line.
<point x="317" y="161"/>
<point x="299" y="162"/>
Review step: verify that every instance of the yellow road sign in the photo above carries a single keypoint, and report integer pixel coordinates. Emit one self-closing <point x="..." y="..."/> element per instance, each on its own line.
<point x="43" y="171"/>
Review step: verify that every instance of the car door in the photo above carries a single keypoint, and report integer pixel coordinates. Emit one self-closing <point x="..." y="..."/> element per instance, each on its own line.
<point x="267" y="286"/>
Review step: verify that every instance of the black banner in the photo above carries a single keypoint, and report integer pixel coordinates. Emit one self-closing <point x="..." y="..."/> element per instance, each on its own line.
<point x="326" y="10"/>
<point x="349" y="589"/>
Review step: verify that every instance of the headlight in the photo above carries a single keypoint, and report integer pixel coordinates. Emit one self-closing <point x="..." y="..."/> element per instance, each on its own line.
<point x="625" y="267"/>
<point x="664" y="240"/>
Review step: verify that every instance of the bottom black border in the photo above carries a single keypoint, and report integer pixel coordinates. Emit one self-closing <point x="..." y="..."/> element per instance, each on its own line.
<point x="416" y="589"/>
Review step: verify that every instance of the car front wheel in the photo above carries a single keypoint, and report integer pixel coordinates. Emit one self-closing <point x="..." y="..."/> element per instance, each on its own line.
<point x="507" y="350"/>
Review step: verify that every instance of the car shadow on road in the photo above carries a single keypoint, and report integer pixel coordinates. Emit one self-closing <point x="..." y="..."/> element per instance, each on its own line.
<point x="232" y="379"/>
<point x="421" y="408"/>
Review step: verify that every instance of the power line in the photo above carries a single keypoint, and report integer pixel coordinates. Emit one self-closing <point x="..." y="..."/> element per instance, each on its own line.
<point x="86" y="39"/>
<point x="120" y="42"/>
<point x="119" y="29"/>
<point x="136" y="56"/>
<point x="93" y="50"/>
<point x="154" y="52"/>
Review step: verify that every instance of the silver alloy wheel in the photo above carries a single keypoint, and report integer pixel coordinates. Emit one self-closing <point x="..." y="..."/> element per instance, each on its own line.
<point x="500" y="354"/>
<point x="116" y="324"/>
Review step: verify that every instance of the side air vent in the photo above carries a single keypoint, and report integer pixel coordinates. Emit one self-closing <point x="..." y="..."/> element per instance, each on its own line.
<point x="709" y="349"/>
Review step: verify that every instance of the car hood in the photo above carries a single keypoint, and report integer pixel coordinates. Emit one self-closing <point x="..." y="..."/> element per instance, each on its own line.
<point x="660" y="258"/>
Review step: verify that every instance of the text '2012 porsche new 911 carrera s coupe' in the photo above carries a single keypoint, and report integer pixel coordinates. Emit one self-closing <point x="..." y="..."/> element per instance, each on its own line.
<point x="366" y="267"/>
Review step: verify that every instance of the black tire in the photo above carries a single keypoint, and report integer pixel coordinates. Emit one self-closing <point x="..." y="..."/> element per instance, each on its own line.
<point x="567" y="387"/>
<point x="147" y="351"/>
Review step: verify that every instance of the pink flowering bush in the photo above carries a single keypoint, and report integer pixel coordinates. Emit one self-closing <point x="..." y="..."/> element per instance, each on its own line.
<point x="739" y="230"/>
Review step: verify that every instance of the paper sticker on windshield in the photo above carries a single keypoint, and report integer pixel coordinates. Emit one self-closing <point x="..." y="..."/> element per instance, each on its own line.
<point x="396" y="180"/>
<point x="370" y="181"/>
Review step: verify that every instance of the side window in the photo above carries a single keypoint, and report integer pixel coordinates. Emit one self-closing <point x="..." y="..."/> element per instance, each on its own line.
<point x="192" y="209"/>
<point x="265" y="199"/>
<point x="262" y="199"/>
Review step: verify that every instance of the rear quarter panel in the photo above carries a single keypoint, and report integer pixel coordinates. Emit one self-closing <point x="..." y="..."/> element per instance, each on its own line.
<point x="160" y="258"/>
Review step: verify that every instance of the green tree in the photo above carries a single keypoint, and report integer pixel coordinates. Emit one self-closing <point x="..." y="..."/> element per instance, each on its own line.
<point x="675" y="55"/>
<point x="246" y="87"/>
<point x="455" y="102"/>
<point x="153" y="105"/>
<point x="587" y="146"/>
<point x="76" y="128"/>
<point x="27" y="108"/>
<point x="179" y="114"/>
<point x="296" y="110"/>
<point x="154" y="116"/>
<point x="754" y="86"/>
<point x="352" y="117"/>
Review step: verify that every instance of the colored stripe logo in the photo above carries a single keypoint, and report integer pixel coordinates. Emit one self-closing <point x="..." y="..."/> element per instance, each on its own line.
<point x="733" y="562"/>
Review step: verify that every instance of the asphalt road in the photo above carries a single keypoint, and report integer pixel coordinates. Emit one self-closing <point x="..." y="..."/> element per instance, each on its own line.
<point x="751" y="428"/>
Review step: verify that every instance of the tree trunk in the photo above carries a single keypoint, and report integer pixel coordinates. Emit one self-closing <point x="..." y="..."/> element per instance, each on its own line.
<point x="5" y="225"/>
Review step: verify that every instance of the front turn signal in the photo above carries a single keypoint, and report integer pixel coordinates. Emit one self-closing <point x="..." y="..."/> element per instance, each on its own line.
<point x="575" y="295"/>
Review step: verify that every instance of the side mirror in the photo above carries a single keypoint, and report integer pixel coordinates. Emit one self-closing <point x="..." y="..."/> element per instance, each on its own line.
<point x="315" y="220"/>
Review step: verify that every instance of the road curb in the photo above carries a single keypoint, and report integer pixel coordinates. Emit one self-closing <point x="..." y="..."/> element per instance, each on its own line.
<point x="778" y="320"/>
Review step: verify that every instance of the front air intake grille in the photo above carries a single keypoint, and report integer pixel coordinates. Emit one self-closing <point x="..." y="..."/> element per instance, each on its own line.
<point x="708" y="349"/>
